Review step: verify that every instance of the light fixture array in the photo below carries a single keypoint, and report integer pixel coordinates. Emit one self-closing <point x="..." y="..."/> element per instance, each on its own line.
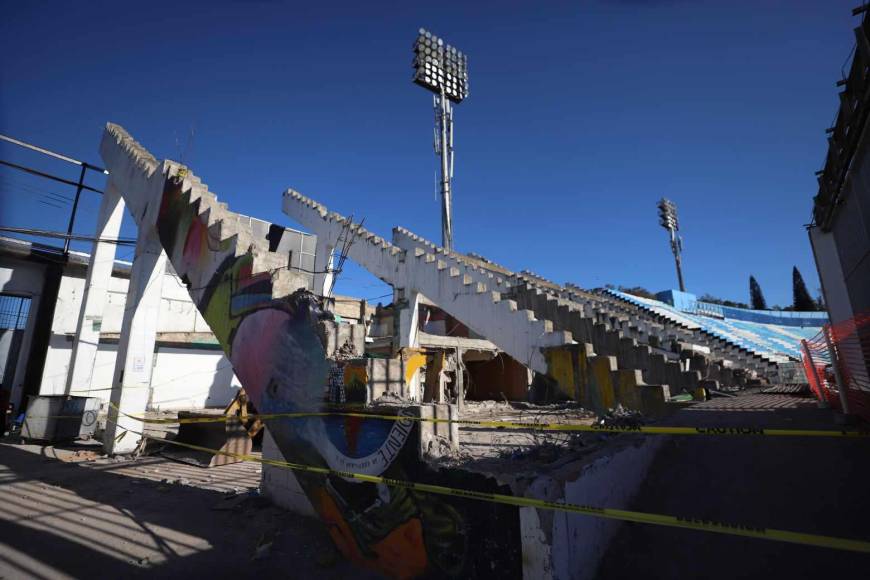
<point x="668" y="214"/>
<point x="438" y="65"/>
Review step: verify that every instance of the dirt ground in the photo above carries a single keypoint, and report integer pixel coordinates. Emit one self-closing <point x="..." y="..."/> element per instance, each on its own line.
<point x="65" y="514"/>
<point x="68" y="512"/>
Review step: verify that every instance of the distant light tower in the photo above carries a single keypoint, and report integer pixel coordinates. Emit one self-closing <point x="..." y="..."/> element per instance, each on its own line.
<point x="443" y="70"/>
<point x="668" y="220"/>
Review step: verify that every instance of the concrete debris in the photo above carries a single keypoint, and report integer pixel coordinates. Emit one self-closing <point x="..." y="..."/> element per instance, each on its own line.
<point x="619" y="416"/>
<point x="345" y="352"/>
<point x="440" y="452"/>
<point x="389" y="399"/>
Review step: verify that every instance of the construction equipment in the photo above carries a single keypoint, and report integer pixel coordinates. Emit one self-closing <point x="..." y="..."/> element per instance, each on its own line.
<point x="235" y="434"/>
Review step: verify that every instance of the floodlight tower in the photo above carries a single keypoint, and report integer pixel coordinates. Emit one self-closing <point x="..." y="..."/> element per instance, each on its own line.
<point x="443" y="70"/>
<point x="668" y="220"/>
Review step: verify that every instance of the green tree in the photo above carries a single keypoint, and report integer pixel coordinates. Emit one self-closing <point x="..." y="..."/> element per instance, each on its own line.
<point x="802" y="299"/>
<point x="716" y="300"/>
<point x="756" y="298"/>
<point x="638" y="291"/>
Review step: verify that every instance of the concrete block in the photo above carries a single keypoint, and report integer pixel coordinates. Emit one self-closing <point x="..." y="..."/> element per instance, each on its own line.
<point x="601" y="385"/>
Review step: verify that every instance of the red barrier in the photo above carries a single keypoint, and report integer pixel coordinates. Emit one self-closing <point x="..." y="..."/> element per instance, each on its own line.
<point x="845" y="348"/>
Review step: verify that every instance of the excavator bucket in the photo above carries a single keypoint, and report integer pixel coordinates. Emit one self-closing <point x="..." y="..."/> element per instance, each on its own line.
<point x="230" y="432"/>
<point x="226" y="436"/>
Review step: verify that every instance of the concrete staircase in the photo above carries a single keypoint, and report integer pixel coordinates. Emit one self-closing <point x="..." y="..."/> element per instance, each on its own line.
<point x="146" y="184"/>
<point x="586" y="325"/>
<point x="685" y="330"/>
<point x="668" y="351"/>
<point x="465" y="291"/>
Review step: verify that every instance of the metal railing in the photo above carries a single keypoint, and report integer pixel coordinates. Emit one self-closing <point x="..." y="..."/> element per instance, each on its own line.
<point x="79" y="185"/>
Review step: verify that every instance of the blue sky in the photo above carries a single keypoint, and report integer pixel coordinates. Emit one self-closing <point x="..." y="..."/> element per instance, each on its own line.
<point x="581" y="116"/>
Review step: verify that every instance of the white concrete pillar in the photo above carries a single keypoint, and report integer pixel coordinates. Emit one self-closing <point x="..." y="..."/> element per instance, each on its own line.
<point x="132" y="379"/>
<point x="86" y="342"/>
<point x="323" y="255"/>
<point x="409" y="320"/>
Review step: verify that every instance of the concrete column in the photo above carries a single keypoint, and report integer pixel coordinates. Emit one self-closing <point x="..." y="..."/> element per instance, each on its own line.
<point x="409" y="318"/>
<point x="132" y="381"/>
<point x="85" y="344"/>
<point x="322" y="267"/>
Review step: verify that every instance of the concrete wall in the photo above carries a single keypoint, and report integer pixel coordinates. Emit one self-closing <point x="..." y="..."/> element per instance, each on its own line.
<point x="851" y="229"/>
<point x="177" y="312"/>
<point x="842" y="251"/>
<point x="184" y="376"/>
<point x="831" y="275"/>
<point x="842" y="248"/>
<point x="609" y="480"/>
<point x="499" y="378"/>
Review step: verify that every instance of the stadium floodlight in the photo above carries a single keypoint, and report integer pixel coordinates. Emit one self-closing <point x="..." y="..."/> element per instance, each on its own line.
<point x="668" y="220"/>
<point x="442" y="70"/>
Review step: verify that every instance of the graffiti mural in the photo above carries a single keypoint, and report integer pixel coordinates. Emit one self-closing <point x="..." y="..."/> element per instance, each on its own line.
<point x="279" y="357"/>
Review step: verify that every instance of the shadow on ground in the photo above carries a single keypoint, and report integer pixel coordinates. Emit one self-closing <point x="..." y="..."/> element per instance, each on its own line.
<point x="86" y="519"/>
<point x="815" y="485"/>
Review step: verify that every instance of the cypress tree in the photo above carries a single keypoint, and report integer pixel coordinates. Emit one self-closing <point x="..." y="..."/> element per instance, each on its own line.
<point x="802" y="299"/>
<point x="756" y="298"/>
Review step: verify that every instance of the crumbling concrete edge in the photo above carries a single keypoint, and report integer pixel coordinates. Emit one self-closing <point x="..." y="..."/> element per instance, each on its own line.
<point x="554" y="544"/>
<point x="563" y="545"/>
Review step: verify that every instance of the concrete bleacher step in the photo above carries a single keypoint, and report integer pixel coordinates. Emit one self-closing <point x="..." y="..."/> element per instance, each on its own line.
<point x="233" y="231"/>
<point x="443" y="279"/>
<point x="642" y="324"/>
<point x="614" y="316"/>
<point x="719" y="345"/>
<point x="601" y="327"/>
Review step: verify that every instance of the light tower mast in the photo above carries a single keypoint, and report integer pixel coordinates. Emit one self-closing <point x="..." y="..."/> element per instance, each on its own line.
<point x="443" y="70"/>
<point x="668" y="220"/>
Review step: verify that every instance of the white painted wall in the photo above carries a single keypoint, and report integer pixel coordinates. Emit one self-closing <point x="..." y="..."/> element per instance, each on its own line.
<point x="57" y="363"/>
<point x="177" y="312"/>
<point x="183" y="378"/>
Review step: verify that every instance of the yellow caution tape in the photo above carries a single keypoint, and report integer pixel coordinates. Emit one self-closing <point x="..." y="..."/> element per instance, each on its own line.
<point x="740" y="431"/>
<point x="707" y="525"/>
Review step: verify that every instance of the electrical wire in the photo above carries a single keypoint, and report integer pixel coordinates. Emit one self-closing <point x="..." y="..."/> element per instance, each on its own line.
<point x="63" y="235"/>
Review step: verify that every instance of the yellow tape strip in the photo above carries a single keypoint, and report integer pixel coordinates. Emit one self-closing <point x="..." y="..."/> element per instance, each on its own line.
<point x="745" y="431"/>
<point x="608" y="513"/>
